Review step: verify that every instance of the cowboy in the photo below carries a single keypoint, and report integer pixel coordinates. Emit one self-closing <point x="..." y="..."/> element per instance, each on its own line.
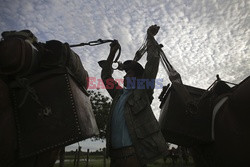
<point x="133" y="134"/>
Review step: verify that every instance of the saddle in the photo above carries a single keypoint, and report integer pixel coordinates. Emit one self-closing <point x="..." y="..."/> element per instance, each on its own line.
<point x="18" y="57"/>
<point x="187" y="126"/>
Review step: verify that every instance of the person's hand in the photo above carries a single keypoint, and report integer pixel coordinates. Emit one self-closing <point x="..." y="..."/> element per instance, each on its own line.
<point x="114" y="46"/>
<point x="153" y="30"/>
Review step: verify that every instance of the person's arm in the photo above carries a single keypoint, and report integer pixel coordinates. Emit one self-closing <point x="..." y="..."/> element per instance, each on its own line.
<point x="111" y="85"/>
<point x="153" y="56"/>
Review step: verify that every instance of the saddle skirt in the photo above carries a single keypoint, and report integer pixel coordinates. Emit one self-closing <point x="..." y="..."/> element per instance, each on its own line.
<point x="51" y="110"/>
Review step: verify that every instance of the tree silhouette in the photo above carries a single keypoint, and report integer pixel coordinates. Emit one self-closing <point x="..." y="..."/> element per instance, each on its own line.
<point x="101" y="106"/>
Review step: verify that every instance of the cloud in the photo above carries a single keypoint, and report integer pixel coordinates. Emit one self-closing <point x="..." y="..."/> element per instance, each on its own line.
<point x="201" y="38"/>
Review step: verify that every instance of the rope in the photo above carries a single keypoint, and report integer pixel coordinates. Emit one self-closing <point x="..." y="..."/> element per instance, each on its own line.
<point x="24" y="83"/>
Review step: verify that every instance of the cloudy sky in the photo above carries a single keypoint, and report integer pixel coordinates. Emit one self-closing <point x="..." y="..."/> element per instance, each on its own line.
<point x="201" y="38"/>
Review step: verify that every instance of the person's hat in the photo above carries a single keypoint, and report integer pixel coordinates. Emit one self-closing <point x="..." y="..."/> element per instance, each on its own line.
<point x="134" y="66"/>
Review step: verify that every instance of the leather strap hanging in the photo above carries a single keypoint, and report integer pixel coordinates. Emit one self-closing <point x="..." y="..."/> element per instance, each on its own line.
<point x="174" y="76"/>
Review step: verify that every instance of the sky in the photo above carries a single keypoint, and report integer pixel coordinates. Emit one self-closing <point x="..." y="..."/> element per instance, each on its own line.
<point x="201" y="38"/>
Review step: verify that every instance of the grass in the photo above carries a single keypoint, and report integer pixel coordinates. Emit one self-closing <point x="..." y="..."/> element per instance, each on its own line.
<point x="94" y="161"/>
<point x="98" y="161"/>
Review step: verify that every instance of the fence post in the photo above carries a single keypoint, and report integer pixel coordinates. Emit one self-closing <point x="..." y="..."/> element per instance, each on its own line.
<point x="87" y="161"/>
<point x="104" y="157"/>
<point x="78" y="156"/>
<point x="75" y="158"/>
